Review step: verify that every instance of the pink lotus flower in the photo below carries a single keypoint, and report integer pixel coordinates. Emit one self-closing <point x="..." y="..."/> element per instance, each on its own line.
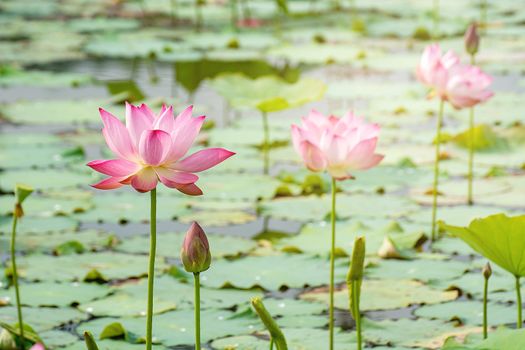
<point x="38" y="346"/>
<point x="337" y="145"/>
<point x="153" y="147"/>
<point x="460" y="84"/>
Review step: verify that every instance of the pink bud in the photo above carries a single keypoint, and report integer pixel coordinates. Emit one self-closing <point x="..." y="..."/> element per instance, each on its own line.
<point x="195" y="253"/>
<point x="37" y="346"/>
<point x="472" y="39"/>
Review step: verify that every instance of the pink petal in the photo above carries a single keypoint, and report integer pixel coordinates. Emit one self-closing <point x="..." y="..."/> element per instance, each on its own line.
<point x="114" y="167"/>
<point x="165" y="121"/>
<point x="37" y="346"/>
<point x="117" y="136"/>
<point x="145" y="180"/>
<point x="154" y="146"/>
<point x="312" y="156"/>
<point x="361" y="154"/>
<point x="203" y="160"/>
<point x="184" y="136"/>
<point x="189" y="189"/>
<point x="183" y="117"/>
<point x="372" y="161"/>
<point x="180" y="177"/>
<point x="137" y="121"/>
<point x="110" y="183"/>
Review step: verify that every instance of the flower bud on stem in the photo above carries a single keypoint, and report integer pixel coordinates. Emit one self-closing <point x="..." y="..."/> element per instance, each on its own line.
<point x="277" y="336"/>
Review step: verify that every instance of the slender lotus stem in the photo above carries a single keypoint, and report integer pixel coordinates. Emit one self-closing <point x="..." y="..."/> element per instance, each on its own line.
<point x="266" y="143"/>
<point x="173" y="5"/>
<point x="471" y="146"/>
<point x="198" y="15"/>
<point x="233" y="9"/>
<point x="357" y="315"/>
<point x="518" y="302"/>
<point x="90" y="341"/>
<point x="436" y="169"/>
<point x="483" y="16"/>
<point x="332" y="264"/>
<point x="197" y="291"/>
<point x="151" y="270"/>
<point x="15" y="278"/>
<point x="271" y="344"/>
<point x="485" y="317"/>
<point x="436" y="19"/>
<point x="277" y="336"/>
<point x="247" y="13"/>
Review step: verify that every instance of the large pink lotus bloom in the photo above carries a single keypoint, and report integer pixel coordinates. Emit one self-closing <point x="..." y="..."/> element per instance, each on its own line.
<point x="337" y="145"/>
<point x="153" y="147"/>
<point x="461" y="84"/>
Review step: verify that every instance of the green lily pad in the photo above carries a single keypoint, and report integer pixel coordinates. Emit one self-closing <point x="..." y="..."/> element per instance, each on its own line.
<point x="169" y="245"/>
<point x="268" y="94"/>
<point x="386" y="294"/>
<point x="56" y="294"/>
<point x="76" y="267"/>
<point x="497" y="237"/>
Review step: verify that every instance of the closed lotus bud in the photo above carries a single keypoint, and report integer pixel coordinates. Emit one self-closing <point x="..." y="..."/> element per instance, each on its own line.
<point x="487" y="271"/>
<point x="472" y="39"/>
<point x="195" y="253"/>
<point x="357" y="264"/>
<point x="21" y="193"/>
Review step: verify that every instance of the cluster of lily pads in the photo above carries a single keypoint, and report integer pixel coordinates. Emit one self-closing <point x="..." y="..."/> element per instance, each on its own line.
<point x="82" y="268"/>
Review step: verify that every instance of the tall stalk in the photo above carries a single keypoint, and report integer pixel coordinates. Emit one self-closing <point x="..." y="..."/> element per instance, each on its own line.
<point x="332" y="266"/>
<point x="197" y="292"/>
<point x="470" y="199"/>
<point x="436" y="168"/>
<point x="518" y="302"/>
<point x="266" y="143"/>
<point x="357" y="315"/>
<point x="151" y="269"/>
<point x="15" y="280"/>
<point x="485" y="316"/>
<point x="436" y="15"/>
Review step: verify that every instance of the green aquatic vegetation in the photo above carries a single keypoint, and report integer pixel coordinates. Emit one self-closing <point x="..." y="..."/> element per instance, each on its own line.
<point x="267" y="94"/>
<point x="499" y="238"/>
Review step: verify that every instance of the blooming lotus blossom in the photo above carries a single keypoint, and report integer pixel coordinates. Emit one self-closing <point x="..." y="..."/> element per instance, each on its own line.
<point x="152" y="147"/>
<point x="337" y="145"/>
<point x="460" y="84"/>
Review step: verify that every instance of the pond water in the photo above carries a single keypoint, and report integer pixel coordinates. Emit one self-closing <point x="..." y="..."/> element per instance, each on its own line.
<point x="269" y="233"/>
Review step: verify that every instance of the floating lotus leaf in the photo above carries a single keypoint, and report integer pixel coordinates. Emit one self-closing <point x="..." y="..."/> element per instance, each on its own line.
<point x="499" y="238"/>
<point x="269" y="93"/>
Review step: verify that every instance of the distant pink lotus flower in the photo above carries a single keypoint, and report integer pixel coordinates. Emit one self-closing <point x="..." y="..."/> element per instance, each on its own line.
<point x="337" y="145"/>
<point x="38" y="346"/>
<point x="460" y="84"/>
<point x="153" y="147"/>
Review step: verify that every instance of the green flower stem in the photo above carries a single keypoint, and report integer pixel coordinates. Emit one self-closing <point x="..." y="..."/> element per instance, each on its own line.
<point x="91" y="344"/>
<point x="266" y="143"/>
<point x="197" y="291"/>
<point x="276" y="335"/>
<point x="332" y="264"/>
<point x="483" y="15"/>
<point x="151" y="270"/>
<point x="436" y="20"/>
<point x="233" y="15"/>
<point x="15" y="278"/>
<point x="470" y="199"/>
<point x="485" y="317"/>
<point x="357" y="315"/>
<point x="436" y="169"/>
<point x="518" y="302"/>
